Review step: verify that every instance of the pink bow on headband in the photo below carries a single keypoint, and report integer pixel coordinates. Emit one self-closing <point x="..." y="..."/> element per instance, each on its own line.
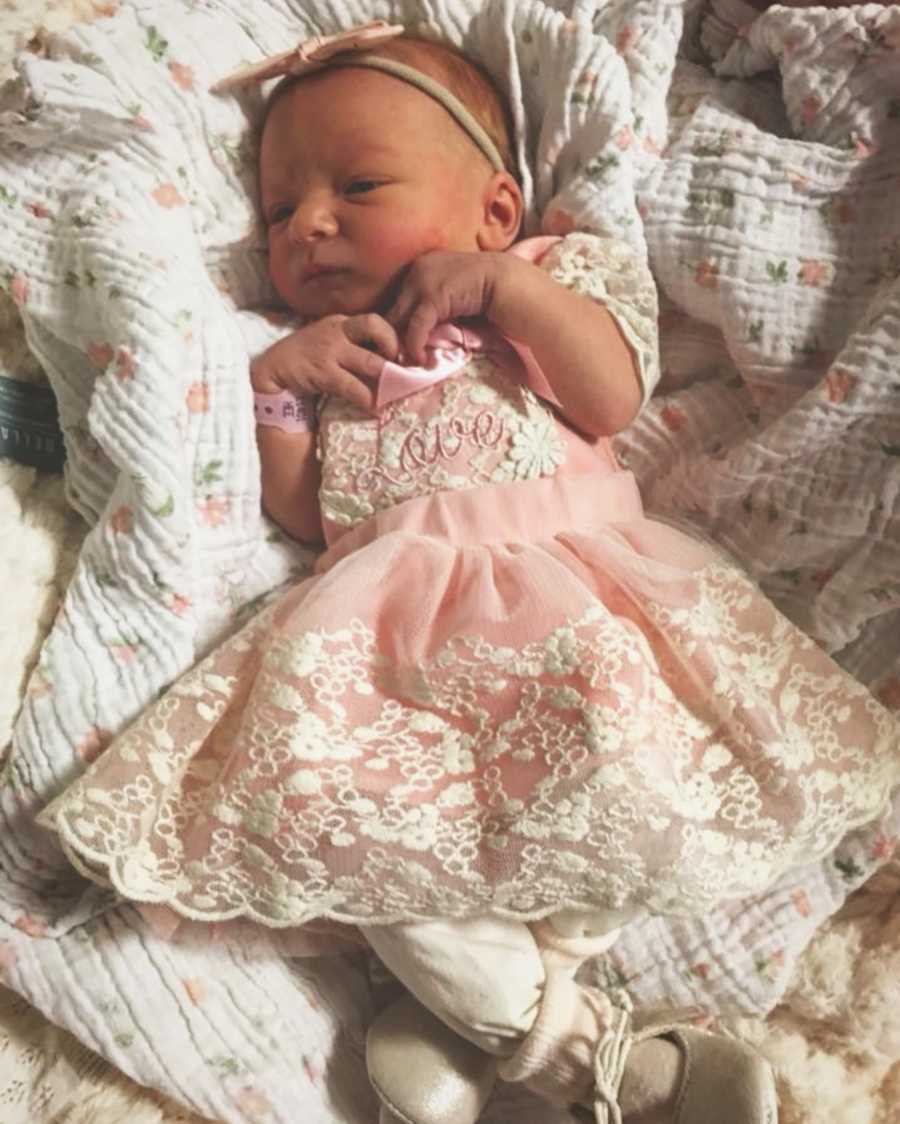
<point x="312" y="54"/>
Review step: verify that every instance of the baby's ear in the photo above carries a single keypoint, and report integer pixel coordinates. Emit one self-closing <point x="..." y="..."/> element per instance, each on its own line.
<point x="502" y="213"/>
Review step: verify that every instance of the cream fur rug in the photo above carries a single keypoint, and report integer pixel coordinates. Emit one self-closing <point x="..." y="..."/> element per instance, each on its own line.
<point x="835" y="1041"/>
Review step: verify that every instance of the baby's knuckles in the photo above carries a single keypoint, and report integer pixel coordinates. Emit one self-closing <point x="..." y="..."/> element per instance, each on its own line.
<point x="264" y="373"/>
<point x="288" y="363"/>
<point x="451" y="283"/>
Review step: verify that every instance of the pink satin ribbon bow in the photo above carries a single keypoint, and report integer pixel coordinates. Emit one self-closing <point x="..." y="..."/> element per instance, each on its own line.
<point x="449" y="347"/>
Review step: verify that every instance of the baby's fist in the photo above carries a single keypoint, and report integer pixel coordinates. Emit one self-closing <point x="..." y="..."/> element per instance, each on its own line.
<point x="331" y="356"/>
<point x="439" y="286"/>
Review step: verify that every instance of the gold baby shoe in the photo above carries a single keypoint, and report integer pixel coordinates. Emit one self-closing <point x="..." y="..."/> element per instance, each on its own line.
<point x="422" y="1071"/>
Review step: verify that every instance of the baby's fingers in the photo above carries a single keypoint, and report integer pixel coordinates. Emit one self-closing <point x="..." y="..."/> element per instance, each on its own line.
<point x="345" y="383"/>
<point x="373" y="332"/>
<point x="399" y="312"/>
<point x="362" y="362"/>
<point x="422" y="322"/>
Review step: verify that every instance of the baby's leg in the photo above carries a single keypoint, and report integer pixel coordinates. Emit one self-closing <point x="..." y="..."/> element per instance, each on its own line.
<point x="508" y="988"/>
<point x="483" y="977"/>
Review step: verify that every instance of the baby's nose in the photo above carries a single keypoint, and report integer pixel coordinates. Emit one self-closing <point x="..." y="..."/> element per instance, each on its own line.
<point x="312" y="220"/>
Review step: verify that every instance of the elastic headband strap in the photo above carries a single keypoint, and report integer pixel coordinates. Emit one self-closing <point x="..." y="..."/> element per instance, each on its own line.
<point x="440" y="93"/>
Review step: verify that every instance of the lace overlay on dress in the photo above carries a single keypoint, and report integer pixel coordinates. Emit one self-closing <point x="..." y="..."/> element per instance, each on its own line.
<point x="483" y="426"/>
<point x="504" y="690"/>
<point x="609" y="272"/>
<point x="587" y="767"/>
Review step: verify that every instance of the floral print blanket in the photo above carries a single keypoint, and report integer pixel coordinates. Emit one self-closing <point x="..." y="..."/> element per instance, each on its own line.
<point x="753" y="158"/>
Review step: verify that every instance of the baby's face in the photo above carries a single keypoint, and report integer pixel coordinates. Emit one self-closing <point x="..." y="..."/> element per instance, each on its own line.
<point x="360" y="173"/>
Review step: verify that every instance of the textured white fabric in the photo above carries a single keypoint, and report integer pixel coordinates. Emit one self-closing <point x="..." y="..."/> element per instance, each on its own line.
<point x="483" y="977"/>
<point x="775" y="431"/>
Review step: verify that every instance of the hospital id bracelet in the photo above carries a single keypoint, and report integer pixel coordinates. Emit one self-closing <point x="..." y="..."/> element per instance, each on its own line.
<point x="287" y="411"/>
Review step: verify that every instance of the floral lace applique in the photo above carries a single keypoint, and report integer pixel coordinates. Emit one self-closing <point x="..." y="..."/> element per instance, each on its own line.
<point x="479" y="427"/>
<point x="484" y="425"/>
<point x="609" y="272"/>
<point x="585" y="766"/>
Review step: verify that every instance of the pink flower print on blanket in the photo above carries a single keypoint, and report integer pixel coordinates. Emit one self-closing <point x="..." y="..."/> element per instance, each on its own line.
<point x="126" y="364"/>
<point x="254" y="1105"/>
<point x="196" y="988"/>
<point x="182" y="75"/>
<point x="810" y="108"/>
<point x="706" y="274"/>
<point x="167" y="195"/>
<point x="839" y="384"/>
<point x="213" y="511"/>
<point x="38" y="209"/>
<point x="673" y="418"/>
<point x="180" y="605"/>
<point x="100" y="354"/>
<point x="124" y="652"/>
<point x="626" y="38"/>
<point x="197" y="398"/>
<point x="624" y="138"/>
<point x="30" y="925"/>
<point x="122" y="520"/>
<point x="93" y="744"/>
<point x="813" y="272"/>
<point x="20" y="289"/>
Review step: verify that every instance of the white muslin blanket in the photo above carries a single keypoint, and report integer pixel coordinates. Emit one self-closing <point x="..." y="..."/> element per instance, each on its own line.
<point x="763" y="194"/>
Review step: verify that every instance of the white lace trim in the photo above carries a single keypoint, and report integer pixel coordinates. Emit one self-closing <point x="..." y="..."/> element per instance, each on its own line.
<point x="488" y="779"/>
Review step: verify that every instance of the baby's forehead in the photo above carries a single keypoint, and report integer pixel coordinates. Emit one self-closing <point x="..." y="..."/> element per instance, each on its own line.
<point x="350" y="115"/>
<point x="358" y="106"/>
<point x="307" y="146"/>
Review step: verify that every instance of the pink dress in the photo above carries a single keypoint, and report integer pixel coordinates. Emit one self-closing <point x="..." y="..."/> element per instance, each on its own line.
<point x="504" y="690"/>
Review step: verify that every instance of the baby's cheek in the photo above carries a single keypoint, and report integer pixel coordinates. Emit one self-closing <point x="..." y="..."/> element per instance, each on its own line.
<point x="436" y="237"/>
<point x="280" y="277"/>
<point x="402" y="244"/>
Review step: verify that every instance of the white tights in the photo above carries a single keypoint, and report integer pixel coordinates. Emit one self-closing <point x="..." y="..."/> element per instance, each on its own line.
<point x="484" y="977"/>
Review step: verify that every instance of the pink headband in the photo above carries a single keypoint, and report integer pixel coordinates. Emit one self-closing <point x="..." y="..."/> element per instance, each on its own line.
<point x="347" y="49"/>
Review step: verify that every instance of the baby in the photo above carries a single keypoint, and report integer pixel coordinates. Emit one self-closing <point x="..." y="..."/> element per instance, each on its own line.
<point x="508" y="713"/>
<point x="390" y="222"/>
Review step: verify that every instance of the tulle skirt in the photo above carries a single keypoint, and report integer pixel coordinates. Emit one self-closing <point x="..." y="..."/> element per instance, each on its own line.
<point x="508" y="700"/>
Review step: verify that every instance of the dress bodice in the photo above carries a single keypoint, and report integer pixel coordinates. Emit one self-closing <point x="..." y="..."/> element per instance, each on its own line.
<point x="484" y="425"/>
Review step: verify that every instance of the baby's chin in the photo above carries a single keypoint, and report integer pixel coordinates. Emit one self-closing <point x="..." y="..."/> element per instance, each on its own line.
<point x="344" y="296"/>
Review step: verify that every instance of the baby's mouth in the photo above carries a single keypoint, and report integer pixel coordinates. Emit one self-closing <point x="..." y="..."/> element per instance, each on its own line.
<point x="314" y="272"/>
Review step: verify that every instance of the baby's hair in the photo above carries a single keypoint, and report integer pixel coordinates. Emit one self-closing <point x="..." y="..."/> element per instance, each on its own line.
<point x="464" y="78"/>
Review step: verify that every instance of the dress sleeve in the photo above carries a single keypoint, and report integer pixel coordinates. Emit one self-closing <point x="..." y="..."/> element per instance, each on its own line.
<point x="609" y="272"/>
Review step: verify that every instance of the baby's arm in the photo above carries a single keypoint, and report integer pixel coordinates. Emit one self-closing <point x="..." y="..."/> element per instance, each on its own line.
<point x="289" y="469"/>
<point x="576" y="342"/>
<point x="290" y="481"/>
<point x="331" y="356"/>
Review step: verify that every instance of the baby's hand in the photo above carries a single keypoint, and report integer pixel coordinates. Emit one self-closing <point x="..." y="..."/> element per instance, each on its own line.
<point x="332" y="356"/>
<point x="439" y="286"/>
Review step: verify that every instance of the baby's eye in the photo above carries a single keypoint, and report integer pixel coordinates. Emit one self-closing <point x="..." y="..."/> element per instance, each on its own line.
<point x="279" y="214"/>
<point x="360" y="187"/>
